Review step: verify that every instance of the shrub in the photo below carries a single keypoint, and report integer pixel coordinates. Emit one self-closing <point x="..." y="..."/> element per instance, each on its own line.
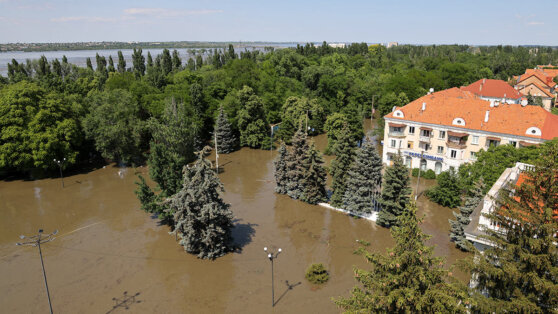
<point x="428" y="174"/>
<point x="317" y="274"/>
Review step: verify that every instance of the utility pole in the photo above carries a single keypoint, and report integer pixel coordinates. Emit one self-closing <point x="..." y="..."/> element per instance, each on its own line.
<point x="60" y="164"/>
<point x="216" y="155"/>
<point x="418" y="180"/>
<point x="37" y="240"/>
<point x="271" y="257"/>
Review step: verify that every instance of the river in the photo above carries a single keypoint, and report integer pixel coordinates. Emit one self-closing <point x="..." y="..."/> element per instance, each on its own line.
<point x="110" y="256"/>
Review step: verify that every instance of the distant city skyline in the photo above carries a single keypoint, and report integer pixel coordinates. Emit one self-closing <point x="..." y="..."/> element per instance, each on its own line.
<point x="473" y="22"/>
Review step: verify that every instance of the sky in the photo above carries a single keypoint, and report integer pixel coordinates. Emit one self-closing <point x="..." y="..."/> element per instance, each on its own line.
<point x="476" y="22"/>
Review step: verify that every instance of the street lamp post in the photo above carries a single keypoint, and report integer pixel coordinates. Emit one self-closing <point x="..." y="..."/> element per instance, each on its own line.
<point x="60" y="164"/>
<point x="37" y="240"/>
<point x="271" y="257"/>
<point x="372" y="111"/>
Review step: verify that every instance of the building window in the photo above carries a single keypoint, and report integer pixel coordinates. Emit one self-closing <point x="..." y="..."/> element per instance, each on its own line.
<point x="411" y="130"/>
<point x="453" y="153"/>
<point x="442" y="135"/>
<point x="410" y="145"/>
<point x="475" y="140"/>
<point x="440" y="150"/>
<point x="513" y="143"/>
<point x="425" y="133"/>
<point x="438" y="168"/>
<point x="396" y="129"/>
<point x="408" y="162"/>
<point x="392" y="143"/>
<point x="473" y="155"/>
<point x="423" y="165"/>
<point x="424" y="146"/>
<point x="493" y="143"/>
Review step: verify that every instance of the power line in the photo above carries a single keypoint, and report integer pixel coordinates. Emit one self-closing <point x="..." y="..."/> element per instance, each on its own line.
<point x="37" y="240"/>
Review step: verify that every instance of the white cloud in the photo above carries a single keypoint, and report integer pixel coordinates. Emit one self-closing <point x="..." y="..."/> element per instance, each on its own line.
<point x="535" y="23"/>
<point x="83" y="19"/>
<point x="161" y="12"/>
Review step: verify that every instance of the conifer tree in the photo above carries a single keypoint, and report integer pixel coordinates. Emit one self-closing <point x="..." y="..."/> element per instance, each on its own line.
<point x="409" y="279"/>
<point x="149" y="60"/>
<point x="138" y="62"/>
<point x="166" y="62"/>
<point x="344" y="150"/>
<point x="89" y="64"/>
<point x="314" y="180"/>
<point x="176" y="61"/>
<point x="395" y="193"/>
<point x="363" y="180"/>
<point x="148" y="200"/>
<point x="296" y="164"/>
<point x="111" y="68"/>
<point x="519" y="273"/>
<point x="203" y="221"/>
<point x="462" y="219"/>
<point x="121" y="62"/>
<point x="226" y="141"/>
<point x="281" y="169"/>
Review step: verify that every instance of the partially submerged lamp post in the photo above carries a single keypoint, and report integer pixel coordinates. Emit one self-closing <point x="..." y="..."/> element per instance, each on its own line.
<point x="37" y="240"/>
<point x="60" y="164"/>
<point x="271" y="257"/>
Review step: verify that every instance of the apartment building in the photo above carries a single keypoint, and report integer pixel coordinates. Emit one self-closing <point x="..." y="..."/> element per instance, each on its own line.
<point x="448" y="128"/>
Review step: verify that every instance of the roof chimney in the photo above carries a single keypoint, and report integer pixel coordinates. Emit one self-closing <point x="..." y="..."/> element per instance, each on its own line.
<point x="423" y="106"/>
<point x="491" y="103"/>
<point x="486" y="116"/>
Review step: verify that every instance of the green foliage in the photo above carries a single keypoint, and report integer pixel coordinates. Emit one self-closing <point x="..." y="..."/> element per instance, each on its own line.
<point x="113" y="123"/>
<point x="395" y="193"/>
<point x="344" y="156"/>
<point x="203" y="221"/>
<point x="409" y="279"/>
<point x="462" y="219"/>
<point x="519" y="273"/>
<point x="296" y="163"/>
<point x="314" y="180"/>
<point x="317" y="274"/>
<point x="281" y="169"/>
<point x="490" y="164"/>
<point x="363" y="180"/>
<point x="36" y="127"/>
<point x="334" y="126"/>
<point x="428" y="174"/>
<point x="252" y="122"/>
<point x="298" y="110"/>
<point x="148" y="199"/>
<point x="448" y="191"/>
<point x="226" y="140"/>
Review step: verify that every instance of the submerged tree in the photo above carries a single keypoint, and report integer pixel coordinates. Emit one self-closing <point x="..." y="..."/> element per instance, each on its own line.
<point x="281" y="174"/>
<point x="409" y="279"/>
<point x="296" y="164"/>
<point x="457" y="233"/>
<point x="447" y="192"/>
<point x="314" y="180"/>
<point x="395" y="193"/>
<point x="203" y="221"/>
<point x="150" y="202"/>
<point x="344" y="150"/>
<point x="519" y="272"/>
<point x="226" y="141"/>
<point x="363" y="180"/>
<point x="252" y="122"/>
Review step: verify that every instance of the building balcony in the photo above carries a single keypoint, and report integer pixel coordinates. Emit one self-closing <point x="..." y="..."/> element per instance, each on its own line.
<point x="456" y="145"/>
<point x="396" y="134"/>
<point x="425" y="139"/>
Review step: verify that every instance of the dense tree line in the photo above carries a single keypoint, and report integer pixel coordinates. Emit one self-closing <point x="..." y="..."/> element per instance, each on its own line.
<point x="321" y="86"/>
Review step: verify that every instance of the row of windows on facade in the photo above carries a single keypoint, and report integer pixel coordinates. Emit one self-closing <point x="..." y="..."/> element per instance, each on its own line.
<point x="423" y="164"/>
<point x="426" y="147"/>
<point x="442" y="135"/>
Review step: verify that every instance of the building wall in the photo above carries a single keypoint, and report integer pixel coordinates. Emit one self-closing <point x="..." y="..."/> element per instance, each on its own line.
<point x="431" y="155"/>
<point x="533" y="80"/>
<point x="534" y="91"/>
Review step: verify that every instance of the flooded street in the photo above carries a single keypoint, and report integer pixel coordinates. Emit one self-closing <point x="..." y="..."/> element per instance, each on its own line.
<point x="111" y="257"/>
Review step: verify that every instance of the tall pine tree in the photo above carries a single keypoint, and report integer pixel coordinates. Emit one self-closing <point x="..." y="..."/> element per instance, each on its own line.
<point x="314" y="180"/>
<point x="226" y="140"/>
<point x="281" y="169"/>
<point x="176" y="61"/>
<point x="409" y="279"/>
<point x="364" y="180"/>
<point x="203" y="221"/>
<point x="111" y="65"/>
<point x="395" y="193"/>
<point x="462" y="219"/>
<point x="519" y="273"/>
<point x="296" y="164"/>
<point x="344" y="151"/>
<point x="121" y="62"/>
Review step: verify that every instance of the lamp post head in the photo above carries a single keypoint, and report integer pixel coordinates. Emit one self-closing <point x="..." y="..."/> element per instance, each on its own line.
<point x="270" y="256"/>
<point x="279" y="250"/>
<point x="265" y="249"/>
<point x="40" y="230"/>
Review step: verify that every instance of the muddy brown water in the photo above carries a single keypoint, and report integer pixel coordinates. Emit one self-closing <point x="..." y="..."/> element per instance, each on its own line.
<point x="111" y="257"/>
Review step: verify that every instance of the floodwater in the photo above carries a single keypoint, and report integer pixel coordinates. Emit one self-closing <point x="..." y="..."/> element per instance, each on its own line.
<point x="111" y="257"/>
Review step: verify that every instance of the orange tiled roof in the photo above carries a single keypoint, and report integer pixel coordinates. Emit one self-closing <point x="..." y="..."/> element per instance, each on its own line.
<point x="444" y="106"/>
<point x="543" y="75"/>
<point x="492" y="88"/>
